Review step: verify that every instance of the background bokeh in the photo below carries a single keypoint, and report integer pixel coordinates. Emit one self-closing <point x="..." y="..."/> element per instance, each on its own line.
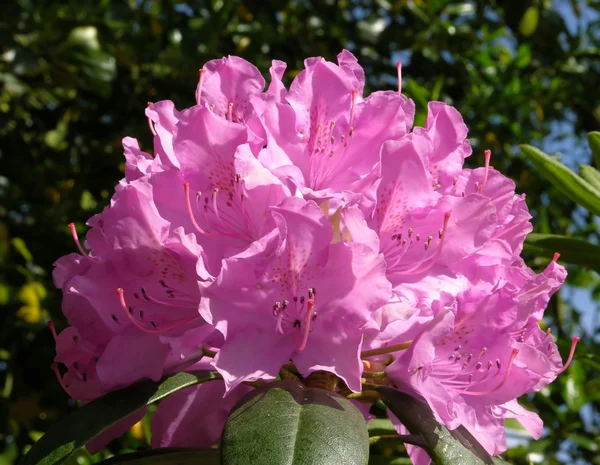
<point x="75" y="77"/>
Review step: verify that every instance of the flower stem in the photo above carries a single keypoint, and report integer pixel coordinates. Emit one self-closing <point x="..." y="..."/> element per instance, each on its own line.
<point x="257" y="383"/>
<point x="375" y="374"/>
<point x="364" y="396"/>
<point x="208" y="353"/>
<point x="385" y="350"/>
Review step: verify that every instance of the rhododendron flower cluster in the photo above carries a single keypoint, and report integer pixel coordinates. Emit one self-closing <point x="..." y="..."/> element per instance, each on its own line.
<point x="311" y="227"/>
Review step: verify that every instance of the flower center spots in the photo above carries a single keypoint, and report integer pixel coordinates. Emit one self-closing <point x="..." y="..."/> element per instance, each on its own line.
<point x="326" y="143"/>
<point x="470" y="371"/>
<point x="158" y="314"/>
<point x="409" y="253"/>
<point x="167" y="302"/>
<point x="392" y="207"/>
<point x="81" y="360"/>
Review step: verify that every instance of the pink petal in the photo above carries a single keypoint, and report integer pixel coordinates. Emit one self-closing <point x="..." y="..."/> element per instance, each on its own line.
<point x="195" y="416"/>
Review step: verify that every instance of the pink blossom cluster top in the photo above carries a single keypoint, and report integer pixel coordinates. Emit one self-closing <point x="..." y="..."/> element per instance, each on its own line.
<point x="307" y="224"/>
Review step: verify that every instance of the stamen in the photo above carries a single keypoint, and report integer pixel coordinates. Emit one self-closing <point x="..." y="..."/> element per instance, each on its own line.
<point x="276" y="308"/>
<point x="438" y="252"/>
<point x="352" y="108"/>
<point x="186" y="188"/>
<point x="214" y="203"/>
<point x="555" y="257"/>
<point x="399" y="71"/>
<point x="200" y="84"/>
<point x="278" y="325"/>
<point x="487" y="155"/>
<point x="76" y="239"/>
<point x="309" y="306"/>
<point x="428" y="243"/>
<point x="156" y="330"/>
<point x="53" y="330"/>
<point x="504" y="379"/>
<point x="230" y="112"/>
<point x="179" y="303"/>
<point x="574" y="342"/>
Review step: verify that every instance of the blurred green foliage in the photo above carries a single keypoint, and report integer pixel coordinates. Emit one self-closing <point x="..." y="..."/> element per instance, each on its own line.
<point x="75" y="77"/>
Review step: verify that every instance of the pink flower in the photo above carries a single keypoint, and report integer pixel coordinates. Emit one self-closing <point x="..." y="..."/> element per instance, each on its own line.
<point x="226" y="87"/>
<point x="194" y="416"/>
<point x="307" y="225"/>
<point x="512" y="221"/>
<point x="422" y="232"/>
<point x="137" y="287"/>
<point x="295" y="295"/>
<point x="324" y="138"/>
<point x="480" y="354"/>
<point x="220" y="192"/>
<point x="447" y="132"/>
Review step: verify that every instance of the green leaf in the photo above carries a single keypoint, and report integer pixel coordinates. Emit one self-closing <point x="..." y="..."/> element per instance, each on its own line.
<point x="445" y="447"/>
<point x="572" y="250"/>
<point x="73" y="431"/>
<point x="380" y="426"/>
<point x="523" y="57"/>
<point x="594" y="141"/>
<point x="584" y="442"/>
<point x="380" y="460"/>
<point x="286" y="423"/>
<point x="591" y="175"/>
<point x="168" y="456"/>
<point x="85" y="36"/>
<point x="87" y="201"/>
<point x="21" y="247"/>
<point x="529" y="21"/>
<point x="567" y="182"/>
<point x="574" y="387"/>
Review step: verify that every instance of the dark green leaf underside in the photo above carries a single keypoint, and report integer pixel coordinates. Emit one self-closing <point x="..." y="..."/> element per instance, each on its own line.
<point x="566" y="181"/>
<point x="287" y="424"/>
<point x="444" y="446"/>
<point x="73" y="431"/>
<point x="594" y="141"/>
<point x="572" y="250"/>
<point x="167" y="457"/>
